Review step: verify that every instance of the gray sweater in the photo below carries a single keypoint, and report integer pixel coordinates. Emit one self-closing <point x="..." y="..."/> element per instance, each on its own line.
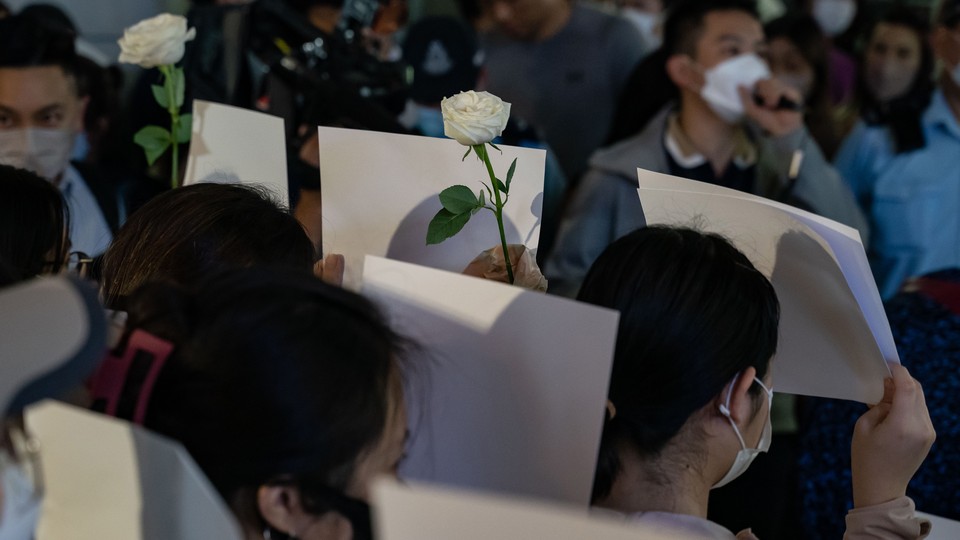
<point x="605" y="206"/>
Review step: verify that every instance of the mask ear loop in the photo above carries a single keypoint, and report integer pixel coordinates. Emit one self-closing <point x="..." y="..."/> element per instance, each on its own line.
<point x="725" y="410"/>
<point x="124" y="383"/>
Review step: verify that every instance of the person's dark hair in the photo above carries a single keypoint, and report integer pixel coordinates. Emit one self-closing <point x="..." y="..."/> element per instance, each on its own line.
<point x="185" y="234"/>
<point x="902" y="115"/>
<point x="684" y="23"/>
<point x="694" y="312"/>
<point x="275" y="378"/>
<point x="33" y="226"/>
<point x="804" y="33"/>
<point x="26" y="41"/>
<point x="948" y="13"/>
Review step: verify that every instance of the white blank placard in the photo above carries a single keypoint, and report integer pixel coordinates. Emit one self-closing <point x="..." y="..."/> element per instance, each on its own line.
<point x="380" y="191"/>
<point x="509" y="390"/>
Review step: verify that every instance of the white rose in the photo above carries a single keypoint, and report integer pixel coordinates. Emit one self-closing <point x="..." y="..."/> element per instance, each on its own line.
<point x="474" y="118"/>
<point x="156" y="41"/>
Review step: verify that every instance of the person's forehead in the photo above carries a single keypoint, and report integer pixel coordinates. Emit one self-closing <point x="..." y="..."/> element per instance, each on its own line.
<point x="731" y="24"/>
<point x="32" y="84"/>
<point x="895" y="33"/>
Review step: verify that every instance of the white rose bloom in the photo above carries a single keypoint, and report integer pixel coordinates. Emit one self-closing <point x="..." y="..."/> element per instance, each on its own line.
<point x="474" y="118"/>
<point x="156" y="41"/>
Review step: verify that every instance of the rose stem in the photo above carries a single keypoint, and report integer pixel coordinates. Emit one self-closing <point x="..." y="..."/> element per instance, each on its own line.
<point x="481" y="151"/>
<point x="173" y="109"/>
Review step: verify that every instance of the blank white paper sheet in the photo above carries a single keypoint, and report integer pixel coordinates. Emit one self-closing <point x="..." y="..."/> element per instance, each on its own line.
<point x="508" y="391"/>
<point x="380" y="190"/>
<point x="231" y="145"/>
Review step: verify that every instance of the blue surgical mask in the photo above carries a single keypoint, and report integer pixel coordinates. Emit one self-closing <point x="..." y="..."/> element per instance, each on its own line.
<point x="745" y="456"/>
<point x="430" y="121"/>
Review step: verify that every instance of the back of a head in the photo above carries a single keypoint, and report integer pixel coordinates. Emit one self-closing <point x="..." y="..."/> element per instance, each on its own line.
<point x="29" y="41"/>
<point x="33" y="225"/>
<point x="694" y="312"/>
<point x="191" y="232"/>
<point x="444" y="55"/>
<point x="274" y="375"/>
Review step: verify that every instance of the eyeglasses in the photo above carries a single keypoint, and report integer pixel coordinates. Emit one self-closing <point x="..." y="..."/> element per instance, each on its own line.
<point x="79" y="263"/>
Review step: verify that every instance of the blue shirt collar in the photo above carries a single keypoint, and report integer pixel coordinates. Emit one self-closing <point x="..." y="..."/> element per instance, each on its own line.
<point x="940" y="115"/>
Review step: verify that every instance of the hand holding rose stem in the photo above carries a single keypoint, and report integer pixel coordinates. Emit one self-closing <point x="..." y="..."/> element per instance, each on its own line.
<point x="474" y="119"/>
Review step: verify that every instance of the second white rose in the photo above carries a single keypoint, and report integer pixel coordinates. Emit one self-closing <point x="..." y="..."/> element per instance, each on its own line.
<point x="156" y="41"/>
<point x="474" y="118"/>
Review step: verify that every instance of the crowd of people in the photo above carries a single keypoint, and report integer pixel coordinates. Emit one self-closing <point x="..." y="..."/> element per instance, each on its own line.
<point x="287" y="390"/>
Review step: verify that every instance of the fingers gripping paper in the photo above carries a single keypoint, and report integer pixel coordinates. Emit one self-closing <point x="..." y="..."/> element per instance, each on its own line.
<point x="380" y="190"/>
<point x="509" y="390"/>
<point x="107" y="479"/>
<point x="834" y="334"/>
<point x="230" y="145"/>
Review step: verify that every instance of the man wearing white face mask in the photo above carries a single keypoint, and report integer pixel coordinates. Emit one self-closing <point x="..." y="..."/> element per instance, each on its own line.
<point x="732" y="125"/>
<point x="40" y="115"/>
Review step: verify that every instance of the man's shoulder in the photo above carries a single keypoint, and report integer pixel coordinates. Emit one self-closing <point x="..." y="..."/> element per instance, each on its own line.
<point x="644" y="150"/>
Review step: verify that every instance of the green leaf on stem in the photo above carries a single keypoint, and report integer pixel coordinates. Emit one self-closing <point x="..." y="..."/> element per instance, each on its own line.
<point x="458" y="199"/>
<point x="513" y="169"/>
<point x="179" y="85"/>
<point x="499" y="185"/>
<point x="155" y="140"/>
<point x="185" y="129"/>
<point x="160" y="95"/>
<point x="444" y="225"/>
<point x="495" y="147"/>
<point x="467" y="153"/>
<point x="483" y="199"/>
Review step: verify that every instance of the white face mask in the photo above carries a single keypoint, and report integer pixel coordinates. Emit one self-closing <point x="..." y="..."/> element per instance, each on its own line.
<point x="745" y="456"/>
<point x="724" y="79"/>
<point x="21" y="505"/>
<point x="834" y="16"/>
<point x="647" y="23"/>
<point x="44" y="151"/>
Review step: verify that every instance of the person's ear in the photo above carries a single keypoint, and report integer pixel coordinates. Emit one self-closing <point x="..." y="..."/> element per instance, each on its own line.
<point x="741" y="408"/>
<point x="282" y="508"/>
<point x="684" y="72"/>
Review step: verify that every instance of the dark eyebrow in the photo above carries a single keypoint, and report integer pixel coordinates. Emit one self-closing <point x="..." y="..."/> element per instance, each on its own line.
<point x="7" y="110"/>
<point x="49" y="109"/>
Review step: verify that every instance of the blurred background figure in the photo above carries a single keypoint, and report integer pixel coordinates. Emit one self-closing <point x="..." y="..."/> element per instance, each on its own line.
<point x="41" y="113"/>
<point x="647" y="17"/>
<point x="561" y="64"/>
<point x="896" y="78"/>
<point x="798" y="55"/>
<point x="838" y="19"/>
<point x="904" y="175"/>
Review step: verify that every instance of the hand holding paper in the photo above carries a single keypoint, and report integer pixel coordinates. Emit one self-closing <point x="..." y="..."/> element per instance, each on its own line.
<point x="890" y="441"/>
<point x="490" y="265"/>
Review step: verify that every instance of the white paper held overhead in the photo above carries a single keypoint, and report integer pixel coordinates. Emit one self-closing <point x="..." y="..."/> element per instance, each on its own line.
<point x="230" y="145"/>
<point x="834" y="335"/>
